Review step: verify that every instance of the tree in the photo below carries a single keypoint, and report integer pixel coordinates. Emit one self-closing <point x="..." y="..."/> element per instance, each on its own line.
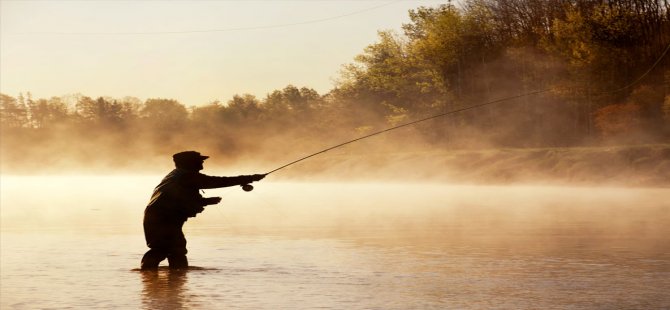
<point x="12" y="113"/>
<point x="454" y="44"/>
<point x="618" y="119"/>
<point x="164" y="114"/>
<point x="242" y="110"/>
<point x="100" y="112"/>
<point x="45" y="113"/>
<point x="522" y="23"/>
<point x="650" y="101"/>
<point x="286" y="105"/>
<point x="207" y="116"/>
<point x="130" y="109"/>
<point x="389" y="83"/>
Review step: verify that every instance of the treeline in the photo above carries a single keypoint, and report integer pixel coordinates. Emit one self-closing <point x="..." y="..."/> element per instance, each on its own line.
<point x="120" y="131"/>
<point x="601" y="66"/>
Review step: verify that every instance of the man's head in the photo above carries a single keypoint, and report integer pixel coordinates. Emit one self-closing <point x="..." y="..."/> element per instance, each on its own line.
<point x="189" y="160"/>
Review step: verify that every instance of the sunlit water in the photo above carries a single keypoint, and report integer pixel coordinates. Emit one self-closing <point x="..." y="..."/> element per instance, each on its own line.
<point x="74" y="242"/>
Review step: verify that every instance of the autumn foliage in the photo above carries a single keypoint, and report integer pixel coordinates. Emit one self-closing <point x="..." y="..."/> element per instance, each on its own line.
<point x="618" y="119"/>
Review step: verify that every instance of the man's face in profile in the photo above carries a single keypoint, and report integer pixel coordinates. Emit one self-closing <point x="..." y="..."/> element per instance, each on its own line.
<point x="199" y="165"/>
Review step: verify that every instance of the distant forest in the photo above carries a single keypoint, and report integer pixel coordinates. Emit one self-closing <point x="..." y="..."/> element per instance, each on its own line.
<point x="603" y="64"/>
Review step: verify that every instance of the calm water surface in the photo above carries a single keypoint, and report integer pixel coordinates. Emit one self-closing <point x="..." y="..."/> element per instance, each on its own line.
<point x="75" y="243"/>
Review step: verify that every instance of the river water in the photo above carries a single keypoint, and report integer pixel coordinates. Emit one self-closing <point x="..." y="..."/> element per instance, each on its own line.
<point x="75" y="242"/>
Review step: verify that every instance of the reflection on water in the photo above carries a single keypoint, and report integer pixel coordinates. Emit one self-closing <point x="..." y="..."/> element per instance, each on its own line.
<point x="164" y="289"/>
<point x="339" y="246"/>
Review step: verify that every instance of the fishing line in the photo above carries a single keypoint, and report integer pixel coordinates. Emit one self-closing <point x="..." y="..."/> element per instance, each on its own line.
<point x="665" y="52"/>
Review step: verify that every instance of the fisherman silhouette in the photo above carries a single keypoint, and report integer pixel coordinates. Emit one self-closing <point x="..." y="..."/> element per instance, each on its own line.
<point x="173" y="201"/>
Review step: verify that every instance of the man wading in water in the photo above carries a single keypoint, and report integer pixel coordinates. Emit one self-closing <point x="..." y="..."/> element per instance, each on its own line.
<point x="176" y="199"/>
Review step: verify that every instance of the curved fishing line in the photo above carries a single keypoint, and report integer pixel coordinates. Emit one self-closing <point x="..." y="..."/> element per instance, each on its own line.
<point x="665" y="52"/>
<point x="314" y="21"/>
<point x="408" y="124"/>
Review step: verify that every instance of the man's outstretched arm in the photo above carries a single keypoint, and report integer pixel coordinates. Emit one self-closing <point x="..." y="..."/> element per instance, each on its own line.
<point x="203" y="181"/>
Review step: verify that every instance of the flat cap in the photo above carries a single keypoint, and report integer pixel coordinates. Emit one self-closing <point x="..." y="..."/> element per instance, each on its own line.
<point x="188" y="156"/>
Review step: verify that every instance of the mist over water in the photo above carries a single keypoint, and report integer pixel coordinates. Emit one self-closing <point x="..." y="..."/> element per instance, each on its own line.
<point x="72" y="241"/>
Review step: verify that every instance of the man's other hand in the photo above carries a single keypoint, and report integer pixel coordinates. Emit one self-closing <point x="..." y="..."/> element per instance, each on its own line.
<point x="212" y="200"/>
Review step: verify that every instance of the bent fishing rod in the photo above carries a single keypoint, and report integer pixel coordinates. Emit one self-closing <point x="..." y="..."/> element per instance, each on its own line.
<point x="248" y="187"/>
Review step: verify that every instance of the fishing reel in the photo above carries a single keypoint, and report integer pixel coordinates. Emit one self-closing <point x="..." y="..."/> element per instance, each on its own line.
<point x="247" y="187"/>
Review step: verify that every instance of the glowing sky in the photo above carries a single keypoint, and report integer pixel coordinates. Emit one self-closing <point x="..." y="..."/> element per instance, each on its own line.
<point x="192" y="51"/>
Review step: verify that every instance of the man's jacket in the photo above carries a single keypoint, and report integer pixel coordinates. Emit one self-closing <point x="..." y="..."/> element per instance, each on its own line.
<point x="178" y="197"/>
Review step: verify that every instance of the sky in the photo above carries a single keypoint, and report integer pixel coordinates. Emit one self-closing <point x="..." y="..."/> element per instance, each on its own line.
<point x="195" y="52"/>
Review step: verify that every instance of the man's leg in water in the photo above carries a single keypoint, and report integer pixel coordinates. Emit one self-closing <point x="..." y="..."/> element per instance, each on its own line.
<point x="177" y="261"/>
<point x="152" y="258"/>
<point x="177" y="256"/>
